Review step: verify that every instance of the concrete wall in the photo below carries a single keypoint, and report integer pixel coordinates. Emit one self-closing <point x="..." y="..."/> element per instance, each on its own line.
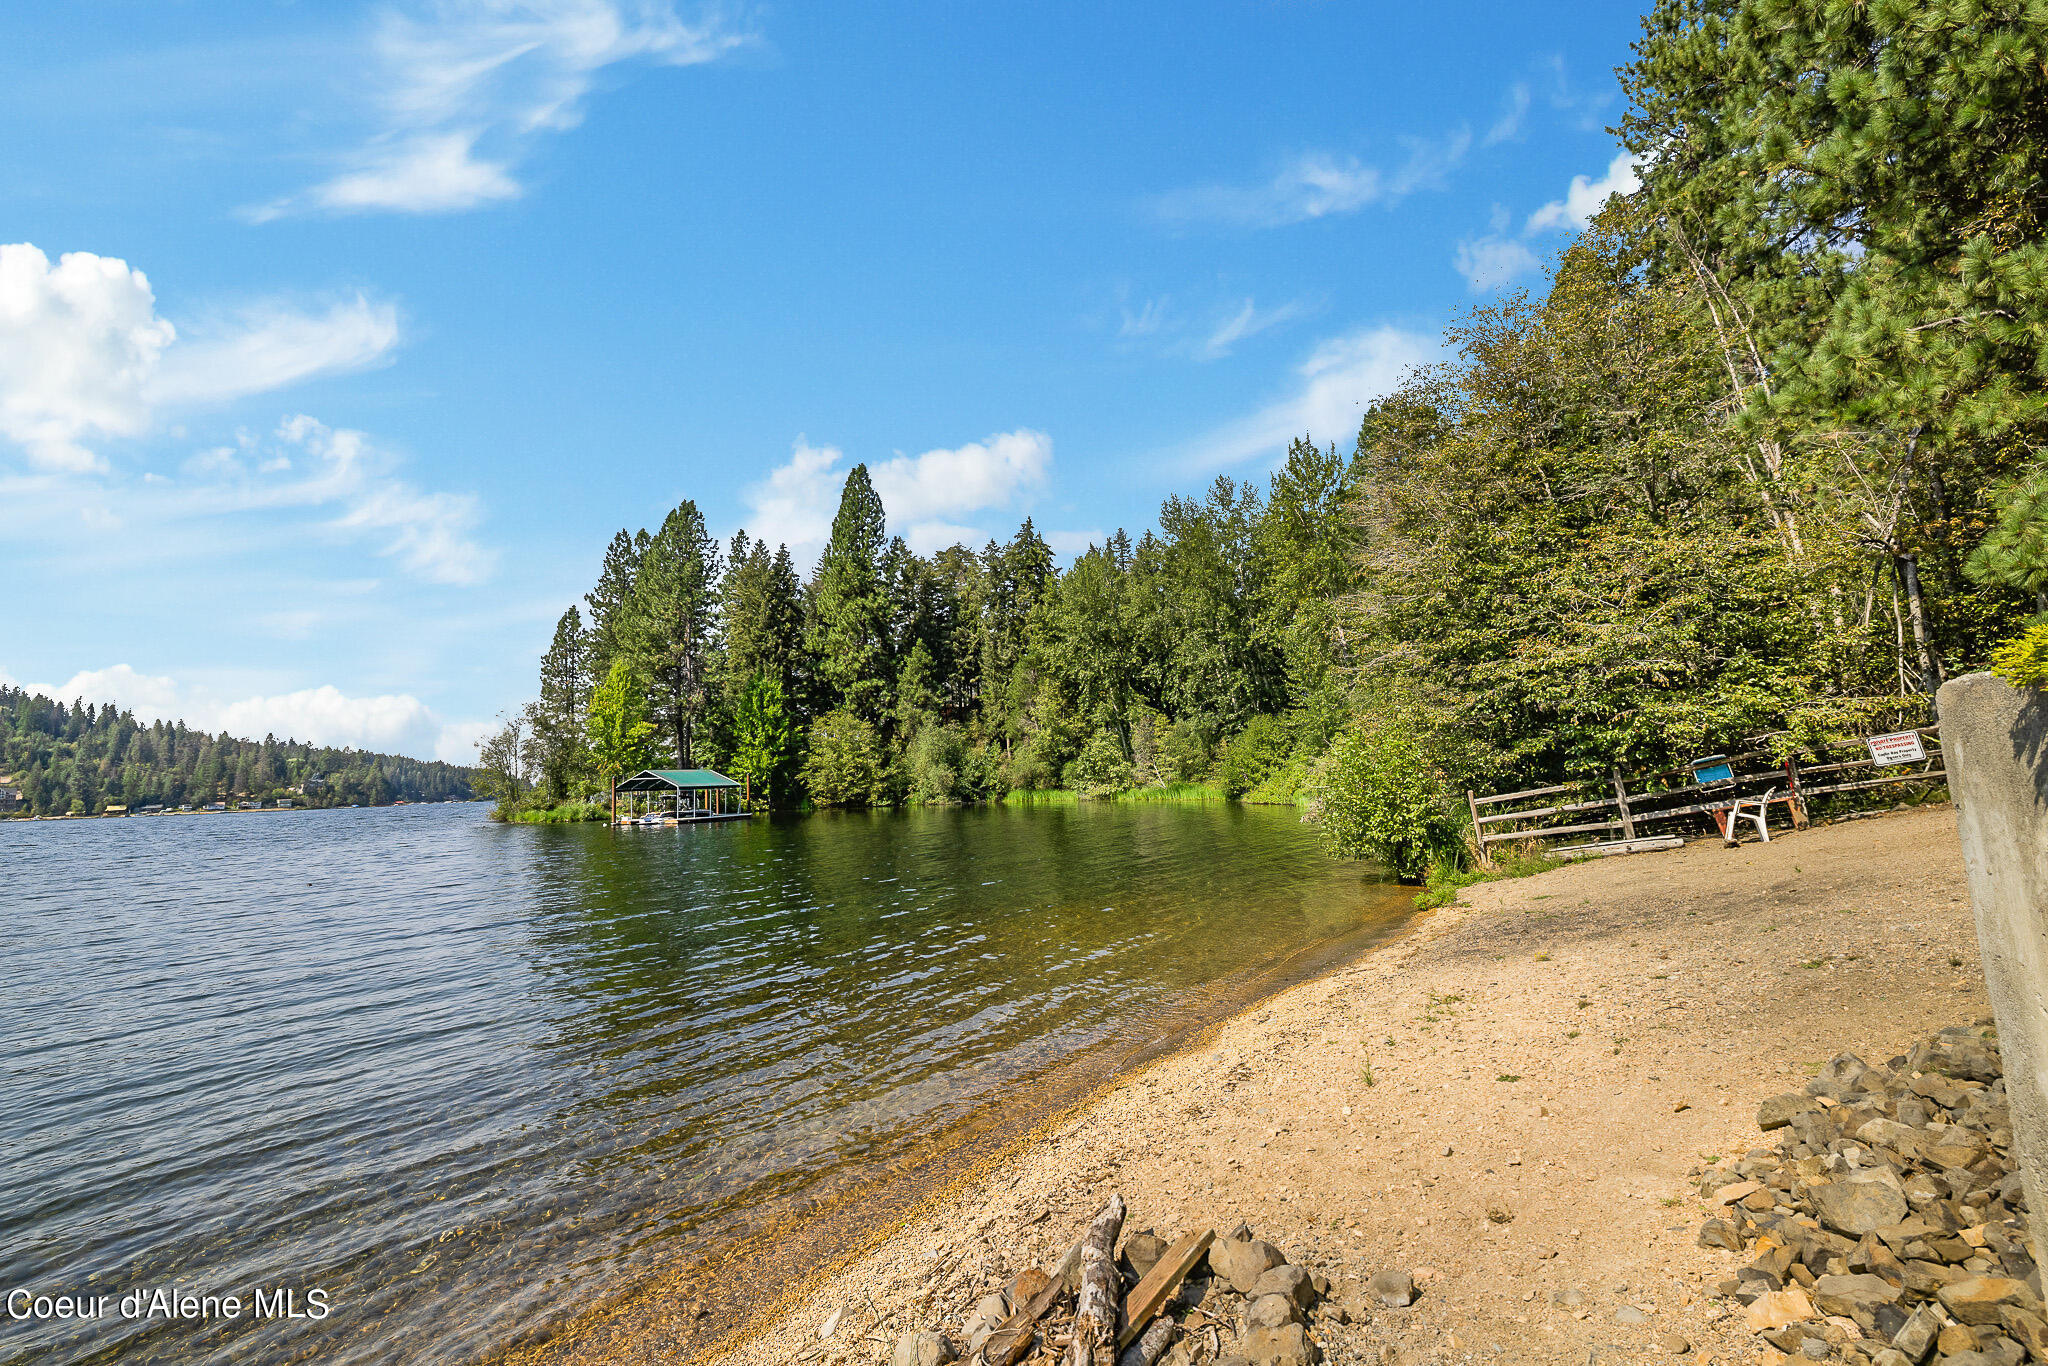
<point x="1995" y="739"/>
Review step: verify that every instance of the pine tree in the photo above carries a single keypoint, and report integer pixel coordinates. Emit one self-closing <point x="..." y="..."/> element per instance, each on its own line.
<point x="557" y="718"/>
<point x="849" y="622"/>
<point x="670" y="622"/>
<point x="607" y="603"/>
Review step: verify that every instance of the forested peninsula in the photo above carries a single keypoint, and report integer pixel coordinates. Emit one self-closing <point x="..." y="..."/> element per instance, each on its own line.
<point x="1761" y="465"/>
<point x="81" y="759"/>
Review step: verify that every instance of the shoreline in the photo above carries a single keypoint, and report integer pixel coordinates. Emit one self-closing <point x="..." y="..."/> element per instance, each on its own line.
<point x="1567" y="1050"/>
<point x="699" y="1308"/>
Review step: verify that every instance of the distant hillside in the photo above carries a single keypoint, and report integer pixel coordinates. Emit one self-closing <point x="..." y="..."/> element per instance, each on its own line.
<point x="57" y="759"/>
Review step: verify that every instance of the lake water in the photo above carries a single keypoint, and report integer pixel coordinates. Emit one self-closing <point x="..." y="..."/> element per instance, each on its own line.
<point x="469" y="1079"/>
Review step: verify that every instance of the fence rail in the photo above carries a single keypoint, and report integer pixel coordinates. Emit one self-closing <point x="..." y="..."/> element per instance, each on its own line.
<point x="1672" y="795"/>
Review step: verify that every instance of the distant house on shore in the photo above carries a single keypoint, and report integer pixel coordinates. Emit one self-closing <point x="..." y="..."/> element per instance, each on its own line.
<point x="114" y="811"/>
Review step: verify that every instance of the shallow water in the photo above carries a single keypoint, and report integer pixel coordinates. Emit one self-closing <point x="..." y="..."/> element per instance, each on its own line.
<point x="466" y="1078"/>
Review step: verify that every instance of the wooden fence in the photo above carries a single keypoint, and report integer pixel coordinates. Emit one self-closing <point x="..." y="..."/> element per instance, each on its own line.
<point x="1623" y="814"/>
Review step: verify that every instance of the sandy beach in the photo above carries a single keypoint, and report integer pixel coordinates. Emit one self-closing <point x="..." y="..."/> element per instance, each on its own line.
<point x="1512" y="1103"/>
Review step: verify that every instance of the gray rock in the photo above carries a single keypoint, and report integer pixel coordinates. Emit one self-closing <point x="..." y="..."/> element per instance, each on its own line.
<point x="1273" y="1311"/>
<point x="1297" y="1285"/>
<point x="1568" y="1299"/>
<point x="1285" y="1346"/>
<point x="1857" y="1207"/>
<point x="1843" y="1078"/>
<point x="1394" y="1289"/>
<point x="1141" y="1251"/>
<point x="1851" y="1296"/>
<point x="1720" y="1233"/>
<point x="924" y="1349"/>
<point x="1777" y="1112"/>
<point x="1916" y="1340"/>
<point x="1241" y="1262"/>
<point x="1815" y="1349"/>
<point x="1628" y="1313"/>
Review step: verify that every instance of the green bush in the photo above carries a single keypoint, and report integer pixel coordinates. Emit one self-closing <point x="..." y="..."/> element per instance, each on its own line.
<point x="1253" y="755"/>
<point x="1101" y="767"/>
<point x="942" y="765"/>
<point x="2023" y="660"/>
<point x="1376" y="795"/>
<point x="844" y="766"/>
<point x="562" y="813"/>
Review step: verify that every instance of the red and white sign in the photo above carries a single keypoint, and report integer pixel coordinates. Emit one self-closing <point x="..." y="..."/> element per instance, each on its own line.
<point x="1901" y="747"/>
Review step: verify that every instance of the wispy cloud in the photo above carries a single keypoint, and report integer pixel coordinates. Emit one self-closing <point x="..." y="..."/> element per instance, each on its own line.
<point x="1246" y="321"/>
<point x="924" y="495"/>
<point x="1499" y="258"/>
<point x="84" y="356"/>
<point x="1205" y="331"/>
<point x="1326" y="400"/>
<point x="304" y="484"/>
<point x="1509" y="124"/>
<point x="1317" y="184"/>
<point x="459" y="90"/>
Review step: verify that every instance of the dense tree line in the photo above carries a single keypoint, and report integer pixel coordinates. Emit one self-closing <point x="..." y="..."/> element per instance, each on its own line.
<point x="1760" y="464"/>
<point x="1763" y="464"/>
<point x="81" y="759"/>
<point x="1202" y="650"/>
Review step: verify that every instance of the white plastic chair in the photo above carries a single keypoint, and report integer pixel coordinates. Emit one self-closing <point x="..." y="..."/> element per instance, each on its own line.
<point x="1742" y="811"/>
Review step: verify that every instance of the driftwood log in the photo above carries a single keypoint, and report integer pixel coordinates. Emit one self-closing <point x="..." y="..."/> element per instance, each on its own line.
<point x="1008" y="1344"/>
<point x="1160" y="1282"/>
<point x="1152" y="1345"/>
<point x="1097" y="1308"/>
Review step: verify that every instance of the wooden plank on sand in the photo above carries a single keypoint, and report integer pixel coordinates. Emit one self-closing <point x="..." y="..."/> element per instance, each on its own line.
<point x="1161" y="1281"/>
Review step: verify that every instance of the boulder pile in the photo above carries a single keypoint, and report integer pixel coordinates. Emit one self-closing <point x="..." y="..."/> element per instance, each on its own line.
<point x="1889" y="1223"/>
<point x="1232" y="1300"/>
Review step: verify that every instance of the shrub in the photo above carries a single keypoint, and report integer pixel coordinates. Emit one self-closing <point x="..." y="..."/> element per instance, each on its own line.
<point x="1253" y="755"/>
<point x="2023" y="660"/>
<point x="1101" y="767"/>
<point x="1376" y="795"/>
<point x="943" y="765"/>
<point x="844" y="766"/>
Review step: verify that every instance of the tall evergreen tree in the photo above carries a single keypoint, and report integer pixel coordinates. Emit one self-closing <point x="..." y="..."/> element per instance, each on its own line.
<point x="848" y="636"/>
<point x="670" y="623"/>
<point x="607" y="602"/>
<point x="557" y="718"/>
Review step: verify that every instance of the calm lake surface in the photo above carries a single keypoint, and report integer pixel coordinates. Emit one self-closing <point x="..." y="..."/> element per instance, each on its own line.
<point x="469" y="1079"/>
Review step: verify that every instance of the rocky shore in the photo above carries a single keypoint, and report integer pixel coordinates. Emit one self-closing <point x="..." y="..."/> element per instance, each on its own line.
<point x="1889" y="1224"/>
<point x="1516" y="1108"/>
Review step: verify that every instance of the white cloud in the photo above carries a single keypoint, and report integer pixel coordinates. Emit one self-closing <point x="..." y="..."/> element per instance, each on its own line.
<point x="304" y="483"/>
<point x="921" y="493"/>
<point x="79" y="344"/>
<point x="1489" y="262"/>
<point x="453" y="76"/>
<point x="396" y="723"/>
<point x="1332" y="389"/>
<point x="1316" y="185"/>
<point x="1509" y="124"/>
<point x="1585" y="197"/>
<point x="1246" y="321"/>
<point x="1498" y="258"/>
<point x="84" y="356"/>
<point x="430" y="534"/>
<point x="271" y="347"/>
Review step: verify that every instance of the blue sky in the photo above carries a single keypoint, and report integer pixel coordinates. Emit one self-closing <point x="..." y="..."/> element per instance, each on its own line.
<point x="337" y="340"/>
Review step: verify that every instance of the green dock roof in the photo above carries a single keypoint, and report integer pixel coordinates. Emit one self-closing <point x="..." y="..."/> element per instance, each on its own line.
<point x="654" y="779"/>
